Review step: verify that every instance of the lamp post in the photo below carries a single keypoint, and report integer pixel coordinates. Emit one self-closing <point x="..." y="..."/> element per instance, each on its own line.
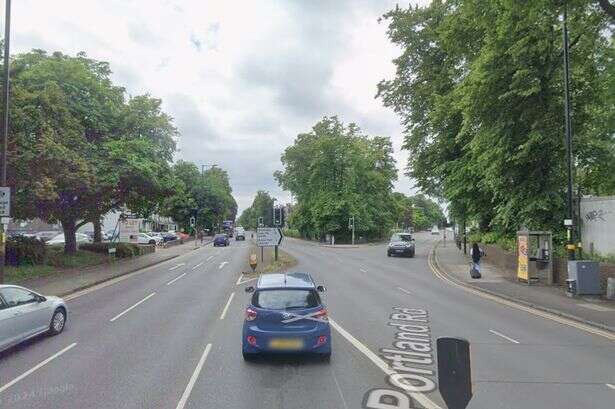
<point x="569" y="223"/>
<point x="5" y="127"/>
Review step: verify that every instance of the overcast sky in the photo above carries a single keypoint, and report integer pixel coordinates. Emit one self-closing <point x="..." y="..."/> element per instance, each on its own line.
<point x="240" y="78"/>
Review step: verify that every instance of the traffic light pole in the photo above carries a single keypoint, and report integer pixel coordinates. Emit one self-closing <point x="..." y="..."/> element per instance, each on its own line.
<point x="570" y="246"/>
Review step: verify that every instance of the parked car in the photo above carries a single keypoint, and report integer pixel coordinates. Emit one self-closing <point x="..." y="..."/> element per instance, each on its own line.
<point x="59" y="239"/>
<point x="157" y="236"/>
<point x="240" y="233"/>
<point x="286" y="315"/>
<point x="221" y="240"/>
<point x="169" y="236"/>
<point x="103" y="235"/>
<point x="146" y="239"/>
<point x="47" y="234"/>
<point x="25" y="314"/>
<point x="401" y="244"/>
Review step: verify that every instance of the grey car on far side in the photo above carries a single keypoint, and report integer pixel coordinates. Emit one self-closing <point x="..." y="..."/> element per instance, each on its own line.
<point x="25" y="314"/>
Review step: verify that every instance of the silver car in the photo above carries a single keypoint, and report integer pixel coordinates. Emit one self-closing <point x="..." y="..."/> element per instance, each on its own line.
<point x="25" y="314"/>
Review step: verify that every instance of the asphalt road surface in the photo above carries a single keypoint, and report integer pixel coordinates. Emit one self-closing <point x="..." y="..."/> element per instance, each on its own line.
<point x="169" y="337"/>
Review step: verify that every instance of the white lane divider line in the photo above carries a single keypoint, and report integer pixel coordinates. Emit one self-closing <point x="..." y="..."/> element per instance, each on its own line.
<point x="610" y="386"/>
<point x="134" y="306"/>
<point x="239" y="279"/>
<point x="228" y="304"/>
<point x="195" y="375"/>
<point x="197" y="266"/>
<point x="504" y="336"/>
<point x="37" y="367"/>
<point x="403" y="290"/>
<point x="176" y="278"/>
<point x="419" y="397"/>
<point x="209" y="258"/>
<point x="222" y="265"/>
<point x="177" y="266"/>
<point x="363" y="271"/>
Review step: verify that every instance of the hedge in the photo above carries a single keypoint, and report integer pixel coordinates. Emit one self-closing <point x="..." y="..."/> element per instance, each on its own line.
<point x="122" y="250"/>
<point x="25" y="250"/>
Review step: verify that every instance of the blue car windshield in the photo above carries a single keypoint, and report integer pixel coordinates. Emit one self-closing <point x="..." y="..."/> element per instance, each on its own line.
<point x="285" y="299"/>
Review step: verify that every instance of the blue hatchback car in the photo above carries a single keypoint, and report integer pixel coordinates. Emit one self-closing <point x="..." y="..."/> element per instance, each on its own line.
<point x="286" y="315"/>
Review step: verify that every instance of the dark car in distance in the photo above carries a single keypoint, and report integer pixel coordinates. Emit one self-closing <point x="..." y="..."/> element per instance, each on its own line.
<point x="221" y="240"/>
<point x="401" y="244"/>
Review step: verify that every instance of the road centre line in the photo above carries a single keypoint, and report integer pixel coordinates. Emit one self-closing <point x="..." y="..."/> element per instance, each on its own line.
<point x="549" y="316"/>
<point x="177" y="266"/>
<point x="209" y="258"/>
<point x="504" y="336"/>
<point x="134" y="306"/>
<point x="228" y="303"/>
<point x="222" y="265"/>
<point x="37" y="367"/>
<point x="419" y="397"/>
<point x="176" y="278"/>
<point x="403" y="290"/>
<point x="193" y="378"/>
<point x="610" y="386"/>
<point x="197" y="266"/>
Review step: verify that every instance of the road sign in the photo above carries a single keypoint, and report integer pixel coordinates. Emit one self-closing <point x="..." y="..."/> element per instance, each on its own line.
<point x="5" y="201"/>
<point x="129" y="230"/>
<point x="268" y="236"/>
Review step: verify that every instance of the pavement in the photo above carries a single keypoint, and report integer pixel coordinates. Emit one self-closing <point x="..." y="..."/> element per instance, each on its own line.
<point x="170" y="337"/>
<point x="75" y="279"/>
<point x="591" y="310"/>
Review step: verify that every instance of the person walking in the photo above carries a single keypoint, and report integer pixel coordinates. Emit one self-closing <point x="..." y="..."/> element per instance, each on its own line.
<point x="476" y="253"/>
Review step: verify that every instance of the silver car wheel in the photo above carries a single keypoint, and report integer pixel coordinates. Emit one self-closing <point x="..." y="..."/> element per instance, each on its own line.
<point x="58" y="321"/>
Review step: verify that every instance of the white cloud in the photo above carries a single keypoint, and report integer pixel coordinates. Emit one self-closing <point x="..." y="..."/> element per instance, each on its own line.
<point x="240" y="79"/>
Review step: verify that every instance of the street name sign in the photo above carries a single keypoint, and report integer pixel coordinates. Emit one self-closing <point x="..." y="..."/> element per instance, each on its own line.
<point x="5" y="201"/>
<point x="268" y="236"/>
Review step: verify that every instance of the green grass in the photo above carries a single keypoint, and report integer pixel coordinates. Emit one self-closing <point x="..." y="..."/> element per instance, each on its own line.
<point x="56" y="262"/>
<point x="285" y="261"/>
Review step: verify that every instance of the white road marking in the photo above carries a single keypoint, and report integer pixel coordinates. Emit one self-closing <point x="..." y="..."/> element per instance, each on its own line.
<point x="197" y="266"/>
<point x="134" y="306"/>
<point x="339" y="389"/>
<point x="610" y="386"/>
<point x="193" y="378"/>
<point x="28" y="372"/>
<point x="228" y="304"/>
<point x="504" y="336"/>
<point x="176" y="278"/>
<point x="419" y="397"/>
<point x="209" y="258"/>
<point x="239" y="279"/>
<point x="403" y="290"/>
<point x="177" y="266"/>
<point x="222" y="265"/>
<point x="363" y="271"/>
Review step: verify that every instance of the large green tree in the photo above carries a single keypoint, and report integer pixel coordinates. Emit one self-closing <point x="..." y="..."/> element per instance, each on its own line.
<point x="335" y="172"/>
<point x="77" y="147"/>
<point x="262" y="206"/>
<point x="480" y="93"/>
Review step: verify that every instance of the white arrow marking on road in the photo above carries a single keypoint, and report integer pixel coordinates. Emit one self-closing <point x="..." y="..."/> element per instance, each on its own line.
<point x="134" y="306"/>
<point x="363" y="271"/>
<point x="403" y="290"/>
<point x="197" y="266"/>
<point x="611" y="386"/>
<point x="222" y="265"/>
<point x="504" y="336"/>
<point x="228" y="303"/>
<point x="419" y="397"/>
<point x="240" y="280"/>
<point x="177" y="266"/>
<point x="193" y="378"/>
<point x="176" y="278"/>
<point x="28" y="372"/>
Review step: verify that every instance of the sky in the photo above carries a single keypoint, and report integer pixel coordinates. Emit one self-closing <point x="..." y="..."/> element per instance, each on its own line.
<point x="240" y="79"/>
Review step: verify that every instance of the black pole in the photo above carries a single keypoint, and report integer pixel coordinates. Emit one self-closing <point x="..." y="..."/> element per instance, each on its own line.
<point x="5" y="127"/>
<point x="465" y="239"/>
<point x="568" y="130"/>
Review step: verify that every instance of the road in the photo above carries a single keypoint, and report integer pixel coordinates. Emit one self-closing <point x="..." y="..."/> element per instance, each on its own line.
<point x="169" y="337"/>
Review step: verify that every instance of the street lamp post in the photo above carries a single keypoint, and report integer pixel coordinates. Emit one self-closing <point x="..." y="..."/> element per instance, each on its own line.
<point x="5" y="127"/>
<point x="568" y="130"/>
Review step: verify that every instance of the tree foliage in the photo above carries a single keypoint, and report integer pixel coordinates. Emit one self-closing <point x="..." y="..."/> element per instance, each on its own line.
<point x="335" y="172"/>
<point x="479" y="90"/>
<point x="262" y="206"/>
<point x="417" y="211"/>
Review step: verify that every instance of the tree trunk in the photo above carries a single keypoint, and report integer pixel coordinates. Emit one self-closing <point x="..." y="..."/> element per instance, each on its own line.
<point x="97" y="230"/>
<point x="70" y="239"/>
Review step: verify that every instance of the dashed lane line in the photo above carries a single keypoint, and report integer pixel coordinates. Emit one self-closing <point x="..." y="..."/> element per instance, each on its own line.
<point x="195" y="375"/>
<point x="176" y="278"/>
<point x="133" y="307"/>
<point x="499" y="334"/>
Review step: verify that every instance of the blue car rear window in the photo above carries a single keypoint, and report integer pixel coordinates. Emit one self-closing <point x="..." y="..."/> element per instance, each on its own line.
<point x="285" y="299"/>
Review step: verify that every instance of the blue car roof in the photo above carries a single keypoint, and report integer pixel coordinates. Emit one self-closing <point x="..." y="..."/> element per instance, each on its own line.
<point x="289" y="280"/>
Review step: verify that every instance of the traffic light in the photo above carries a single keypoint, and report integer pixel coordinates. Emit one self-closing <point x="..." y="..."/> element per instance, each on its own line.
<point x="278" y="216"/>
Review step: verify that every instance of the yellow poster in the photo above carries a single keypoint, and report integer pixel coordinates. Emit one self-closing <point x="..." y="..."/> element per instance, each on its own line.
<point x="522" y="258"/>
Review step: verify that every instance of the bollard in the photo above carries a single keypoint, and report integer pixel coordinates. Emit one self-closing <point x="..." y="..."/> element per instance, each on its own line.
<point x="610" y="288"/>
